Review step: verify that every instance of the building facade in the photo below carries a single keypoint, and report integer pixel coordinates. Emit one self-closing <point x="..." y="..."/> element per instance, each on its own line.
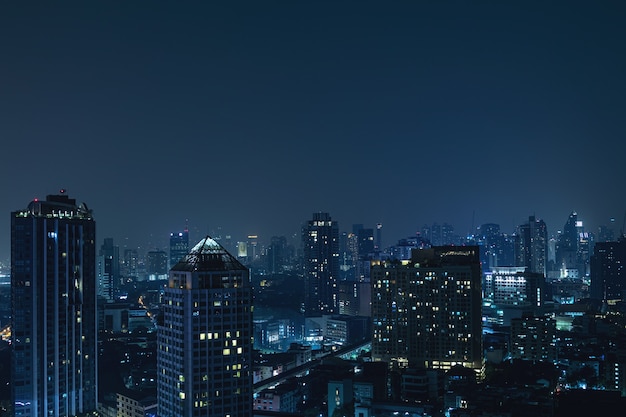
<point x="204" y="352"/>
<point x="426" y="312"/>
<point x="53" y="290"/>
<point x="320" y="238"/>
<point x="515" y="287"/>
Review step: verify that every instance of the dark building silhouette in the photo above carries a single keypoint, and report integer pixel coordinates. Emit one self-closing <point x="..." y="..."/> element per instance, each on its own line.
<point x="608" y="270"/>
<point x="53" y="284"/>
<point x="156" y="263"/>
<point x="204" y="352"/>
<point x="108" y="270"/>
<point x="532" y="245"/>
<point x="277" y="254"/>
<point x="573" y="249"/>
<point x="426" y="312"/>
<point x="320" y="238"/>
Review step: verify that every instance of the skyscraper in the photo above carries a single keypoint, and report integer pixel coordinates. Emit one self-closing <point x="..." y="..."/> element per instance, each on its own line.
<point x="179" y="246"/>
<point x="608" y="271"/>
<point x="204" y="354"/>
<point x="320" y="238"/>
<point x="53" y="291"/>
<point x="532" y="245"/>
<point x="426" y="311"/>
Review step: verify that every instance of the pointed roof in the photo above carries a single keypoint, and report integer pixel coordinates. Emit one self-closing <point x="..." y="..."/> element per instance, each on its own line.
<point x="208" y="255"/>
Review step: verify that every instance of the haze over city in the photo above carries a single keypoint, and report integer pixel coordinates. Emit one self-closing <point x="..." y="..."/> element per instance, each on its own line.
<point x="250" y="116"/>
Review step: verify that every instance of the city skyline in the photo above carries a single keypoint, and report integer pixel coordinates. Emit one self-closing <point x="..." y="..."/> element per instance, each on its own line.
<point x="404" y="114"/>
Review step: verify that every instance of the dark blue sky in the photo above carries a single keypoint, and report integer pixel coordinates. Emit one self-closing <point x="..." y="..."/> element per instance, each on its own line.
<point x="252" y="115"/>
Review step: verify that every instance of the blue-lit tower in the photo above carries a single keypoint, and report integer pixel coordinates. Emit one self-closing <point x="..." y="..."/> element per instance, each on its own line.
<point x="53" y="297"/>
<point x="204" y="343"/>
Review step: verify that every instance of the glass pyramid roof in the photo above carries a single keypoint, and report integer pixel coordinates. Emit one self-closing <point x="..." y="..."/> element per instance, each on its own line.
<point x="208" y="255"/>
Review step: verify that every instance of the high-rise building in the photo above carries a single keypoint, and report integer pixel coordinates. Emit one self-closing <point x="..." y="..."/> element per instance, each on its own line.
<point x="108" y="270"/>
<point x="608" y="271"/>
<point x="534" y="338"/>
<point x="130" y="264"/>
<point x="532" y="245"/>
<point x="320" y="238"/>
<point x="567" y="248"/>
<point x="277" y="255"/>
<point x="179" y="246"/>
<point x="204" y="353"/>
<point x="53" y="291"/>
<point x="426" y="311"/>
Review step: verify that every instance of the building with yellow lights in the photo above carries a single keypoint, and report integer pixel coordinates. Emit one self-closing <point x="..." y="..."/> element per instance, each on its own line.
<point x="426" y="311"/>
<point x="204" y="353"/>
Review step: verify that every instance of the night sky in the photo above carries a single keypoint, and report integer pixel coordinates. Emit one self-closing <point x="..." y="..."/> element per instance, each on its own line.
<point x="251" y="115"/>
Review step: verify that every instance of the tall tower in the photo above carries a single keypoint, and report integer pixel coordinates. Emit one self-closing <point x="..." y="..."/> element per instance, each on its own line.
<point x="204" y="356"/>
<point x="320" y="238"/>
<point x="53" y="303"/>
<point x="532" y="245"/>
<point x="179" y="246"/>
<point x="608" y="271"/>
<point x="426" y="311"/>
<point x="108" y="270"/>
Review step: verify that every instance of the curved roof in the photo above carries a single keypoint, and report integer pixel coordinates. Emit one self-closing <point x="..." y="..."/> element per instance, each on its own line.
<point x="208" y="255"/>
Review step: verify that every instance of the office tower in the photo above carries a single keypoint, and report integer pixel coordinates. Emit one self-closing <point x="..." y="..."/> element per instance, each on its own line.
<point x="108" y="270"/>
<point x="130" y="264"/>
<point x="320" y="238"/>
<point x="426" y="311"/>
<point x="608" y="271"/>
<point x="488" y="239"/>
<point x="567" y="248"/>
<point x="53" y="291"/>
<point x="179" y="246"/>
<point x="204" y="356"/>
<point x="532" y="245"/>
<point x="379" y="237"/>
<point x="156" y="265"/>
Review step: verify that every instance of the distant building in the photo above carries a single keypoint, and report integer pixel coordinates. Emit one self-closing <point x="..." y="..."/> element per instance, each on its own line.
<point x="130" y="264"/>
<point x="515" y="286"/>
<point x="53" y="287"/>
<point x="277" y="254"/>
<point x="426" y="312"/>
<point x="179" y="246"/>
<point x="573" y="249"/>
<point x="156" y="265"/>
<point x="532" y="246"/>
<point x="108" y="270"/>
<point x="136" y="404"/>
<point x="608" y="271"/>
<point x="320" y="238"/>
<point x="204" y="353"/>
<point x="533" y="338"/>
